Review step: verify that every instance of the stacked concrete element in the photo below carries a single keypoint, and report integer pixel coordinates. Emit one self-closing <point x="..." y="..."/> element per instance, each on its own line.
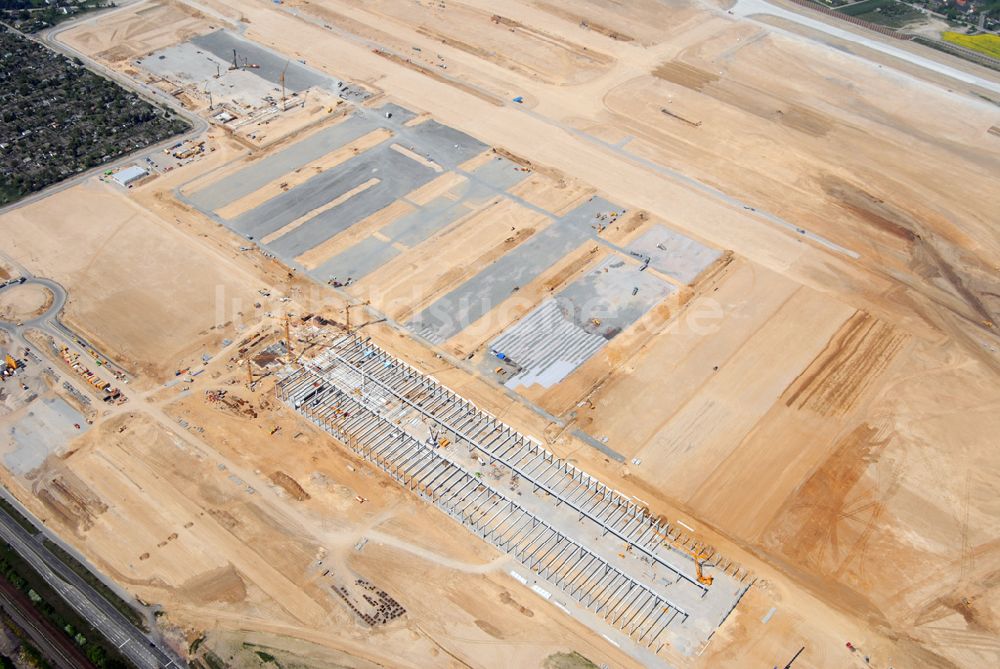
<point x="564" y="525"/>
<point x="381" y="608"/>
<point x="546" y="345"/>
<point x="566" y="330"/>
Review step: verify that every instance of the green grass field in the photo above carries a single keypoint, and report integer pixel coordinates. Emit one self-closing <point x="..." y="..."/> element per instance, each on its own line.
<point x="986" y="44"/>
<point x="887" y="13"/>
<point x="864" y="7"/>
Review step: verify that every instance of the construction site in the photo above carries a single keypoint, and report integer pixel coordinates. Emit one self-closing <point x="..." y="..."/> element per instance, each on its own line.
<point x="560" y="335"/>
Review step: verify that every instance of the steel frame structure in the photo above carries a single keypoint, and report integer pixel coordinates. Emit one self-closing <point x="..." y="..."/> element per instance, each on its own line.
<point x="364" y="397"/>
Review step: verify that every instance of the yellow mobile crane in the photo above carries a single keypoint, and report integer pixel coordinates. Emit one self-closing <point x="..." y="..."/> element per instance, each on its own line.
<point x="697" y="554"/>
<point x="699" y="558"/>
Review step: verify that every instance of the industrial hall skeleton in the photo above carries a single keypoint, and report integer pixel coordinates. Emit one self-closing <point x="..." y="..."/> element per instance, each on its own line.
<point x="562" y="524"/>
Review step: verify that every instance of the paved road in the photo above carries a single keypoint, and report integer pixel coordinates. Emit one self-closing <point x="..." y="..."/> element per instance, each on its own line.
<point x="144" y="650"/>
<point x="44" y="321"/>
<point x="86" y="601"/>
<point x="49" y="321"/>
<point x="748" y="8"/>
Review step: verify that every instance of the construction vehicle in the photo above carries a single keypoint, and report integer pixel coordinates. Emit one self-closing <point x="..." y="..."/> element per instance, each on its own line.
<point x="697" y="554"/>
<point x="596" y="322"/>
<point x="190" y="151"/>
<point x="699" y="558"/>
<point x="11" y="362"/>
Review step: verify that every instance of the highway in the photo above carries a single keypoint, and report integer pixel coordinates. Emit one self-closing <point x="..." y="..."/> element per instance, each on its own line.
<point x="142" y="649"/>
<point x="130" y="641"/>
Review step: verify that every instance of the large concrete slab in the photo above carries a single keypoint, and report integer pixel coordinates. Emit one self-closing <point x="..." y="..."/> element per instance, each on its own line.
<point x="459" y="308"/>
<point x="674" y="254"/>
<point x="221" y="44"/>
<point x="442" y="144"/>
<point x="565" y="331"/>
<point x="42" y="431"/>
<point x="396" y="114"/>
<point x="617" y="292"/>
<point x="264" y="171"/>
<point x="308" y="196"/>
<point x="187" y="64"/>
<point x="370" y="254"/>
<point x="421" y="224"/>
<point x="397" y="176"/>
<point x="439" y="213"/>
<point x="499" y="173"/>
<point x="363" y="258"/>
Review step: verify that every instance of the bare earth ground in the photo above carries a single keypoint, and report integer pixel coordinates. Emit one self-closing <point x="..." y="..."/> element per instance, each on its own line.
<point x="24" y="302"/>
<point x="820" y="406"/>
<point x="137" y="287"/>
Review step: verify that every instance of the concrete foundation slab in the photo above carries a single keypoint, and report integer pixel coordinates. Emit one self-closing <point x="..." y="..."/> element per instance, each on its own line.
<point x="674" y="254"/>
<point x="266" y="170"/>
<point x="500" y="173"/>
<point x="565" y="331"/>
<point x="363" y="258"/>
<point x="397" y="176"/>
<point x="221" y="44"/>
<point x="459" y="308"/>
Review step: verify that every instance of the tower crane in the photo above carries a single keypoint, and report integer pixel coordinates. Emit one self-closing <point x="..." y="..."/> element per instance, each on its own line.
<point x="283" y="107"/>
<point x="347" y="312"/>
<point x="288" y="340"/>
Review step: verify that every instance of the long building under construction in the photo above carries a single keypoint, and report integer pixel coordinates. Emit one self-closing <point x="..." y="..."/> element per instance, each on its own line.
<point x="599" y="548"/>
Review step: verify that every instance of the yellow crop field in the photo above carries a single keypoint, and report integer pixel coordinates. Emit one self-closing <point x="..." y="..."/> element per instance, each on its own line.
<point x="987" y="44"/>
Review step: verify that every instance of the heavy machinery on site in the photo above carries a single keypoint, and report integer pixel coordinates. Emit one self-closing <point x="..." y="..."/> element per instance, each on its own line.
<point x="699" y="558"/>
<point x="697" y="554"/>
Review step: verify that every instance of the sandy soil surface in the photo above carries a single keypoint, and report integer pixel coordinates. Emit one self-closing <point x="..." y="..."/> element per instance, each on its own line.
<point x="134" y="32"/>
<point x="154" y="315"/>
<point x="190" y="515"/>
<point x="24" y="302"/>
<point x="819" y="406"/>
